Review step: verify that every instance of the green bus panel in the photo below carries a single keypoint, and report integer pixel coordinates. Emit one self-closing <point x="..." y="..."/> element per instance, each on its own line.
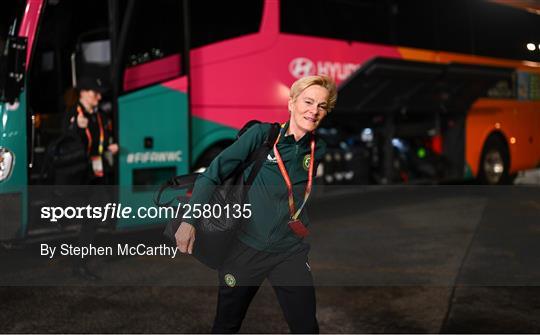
<point x="13" y="136"/>
<point x="153" y="137"/>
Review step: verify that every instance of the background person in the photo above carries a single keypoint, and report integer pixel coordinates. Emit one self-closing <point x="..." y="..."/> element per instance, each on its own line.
<point x="271" y="244"/>
<point x="94" y="130"/>
<point x="93" y="127"/>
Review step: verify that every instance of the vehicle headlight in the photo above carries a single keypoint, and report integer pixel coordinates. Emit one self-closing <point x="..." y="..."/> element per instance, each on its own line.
<point x="367" y="135"/>
<point x="320" y="170"/>
<point x="6" y="163"/>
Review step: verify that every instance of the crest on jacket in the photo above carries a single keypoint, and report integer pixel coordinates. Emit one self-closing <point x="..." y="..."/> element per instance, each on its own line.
<point x="271" y="159"/>
<point x="305" y="162"/>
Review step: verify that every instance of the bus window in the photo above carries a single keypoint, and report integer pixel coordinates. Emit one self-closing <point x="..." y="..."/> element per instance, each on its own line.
<point x="60" y="28"/>
<point x="154" y="43"/>
<point x="159" y="36"/>
<point x="504" y="31"/>
<point x="93" y="55"/>
<point x="98" y="52"/>
<point x="454" y="26"/>
<point x="11" y="13"/>
<point x="414" y="23"/>
<point x="214" y="21"/>
<point x="362" y="20"/>
<point x="10" y="19"/>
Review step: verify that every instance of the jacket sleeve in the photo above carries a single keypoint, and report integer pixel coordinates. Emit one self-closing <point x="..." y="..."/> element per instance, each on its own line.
<point x="225" y="163"/>
<point x="70" y="121"/>
<point x="70" y="126"/>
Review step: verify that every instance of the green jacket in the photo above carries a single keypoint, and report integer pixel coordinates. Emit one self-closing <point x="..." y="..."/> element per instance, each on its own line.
<point x="267" y="229"/>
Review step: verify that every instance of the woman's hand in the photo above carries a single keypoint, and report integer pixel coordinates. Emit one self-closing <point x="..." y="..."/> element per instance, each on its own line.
<point x="185" y="237"/>
<point x="113" y="148"/>
<point x="82" y="121"/>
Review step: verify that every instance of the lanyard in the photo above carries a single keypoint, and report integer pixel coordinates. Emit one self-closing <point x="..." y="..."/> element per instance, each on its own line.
<point x="89" y="135"/>
<point x="285" y="175"/>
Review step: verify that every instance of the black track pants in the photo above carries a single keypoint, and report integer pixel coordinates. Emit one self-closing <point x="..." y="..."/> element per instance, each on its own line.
<point x="244" y="271"/>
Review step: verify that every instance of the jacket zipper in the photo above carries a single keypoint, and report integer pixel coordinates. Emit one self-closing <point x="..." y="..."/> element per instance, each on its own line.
<point x="276" y="226"/>
<point x="273" y="230"/>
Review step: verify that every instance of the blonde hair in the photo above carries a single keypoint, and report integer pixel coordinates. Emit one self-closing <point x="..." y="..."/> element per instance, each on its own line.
<point x="301" y="84"/>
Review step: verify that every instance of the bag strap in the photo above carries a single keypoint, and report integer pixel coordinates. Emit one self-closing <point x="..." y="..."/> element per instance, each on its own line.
<point x="259" y="155"/>
<point x="175" y="183"/>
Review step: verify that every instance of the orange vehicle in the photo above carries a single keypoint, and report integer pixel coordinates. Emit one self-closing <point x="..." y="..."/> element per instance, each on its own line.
<point x="503" y="129"/>
<point x="463" y="104"/>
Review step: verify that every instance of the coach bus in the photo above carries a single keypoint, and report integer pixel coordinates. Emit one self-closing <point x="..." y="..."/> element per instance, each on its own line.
<point x="428" y="89"/>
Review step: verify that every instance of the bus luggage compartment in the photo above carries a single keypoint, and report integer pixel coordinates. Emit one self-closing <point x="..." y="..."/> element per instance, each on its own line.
<point x="415" y="113"/>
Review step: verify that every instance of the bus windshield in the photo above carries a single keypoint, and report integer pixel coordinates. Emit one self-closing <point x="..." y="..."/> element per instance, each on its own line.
<point x="10" y="19"/>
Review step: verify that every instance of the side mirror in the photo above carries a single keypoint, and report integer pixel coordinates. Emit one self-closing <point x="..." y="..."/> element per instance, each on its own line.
<point x="13" y="62"/>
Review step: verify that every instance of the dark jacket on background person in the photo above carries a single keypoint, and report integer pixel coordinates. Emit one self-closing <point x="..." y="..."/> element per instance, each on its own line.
<point x="267" y="228"/>
<point x="91" y="147"/>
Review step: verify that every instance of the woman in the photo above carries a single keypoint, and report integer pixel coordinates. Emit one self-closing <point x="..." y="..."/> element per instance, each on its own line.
<point x="271" y="244"/>
<point x="90" y="125"/>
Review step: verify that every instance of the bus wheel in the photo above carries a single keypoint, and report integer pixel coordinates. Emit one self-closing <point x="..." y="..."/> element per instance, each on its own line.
<point x="494" y="163"/>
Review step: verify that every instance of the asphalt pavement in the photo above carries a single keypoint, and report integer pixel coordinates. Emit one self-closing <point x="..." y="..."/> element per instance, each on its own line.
<point x="385" y="259"/>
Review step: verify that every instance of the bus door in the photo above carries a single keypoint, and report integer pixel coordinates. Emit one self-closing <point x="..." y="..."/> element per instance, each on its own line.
<point x="13" y="160"/>
<point x="68" y="33"/>
<point x="153" y="116"/>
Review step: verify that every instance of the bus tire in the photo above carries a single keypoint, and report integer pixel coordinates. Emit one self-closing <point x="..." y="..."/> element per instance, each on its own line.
<point x="495" y="162"/>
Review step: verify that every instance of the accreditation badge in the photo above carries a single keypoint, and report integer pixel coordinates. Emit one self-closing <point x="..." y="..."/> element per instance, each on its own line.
<point x="97" y="166"/>
<point x="298" y="228"/>
<point x="230" y="280"/>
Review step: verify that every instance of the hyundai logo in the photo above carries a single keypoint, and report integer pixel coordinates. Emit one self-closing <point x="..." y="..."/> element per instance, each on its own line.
<point x="301" y="67"/>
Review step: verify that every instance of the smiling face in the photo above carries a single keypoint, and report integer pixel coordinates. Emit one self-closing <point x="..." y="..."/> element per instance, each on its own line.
<point x="90" y="98"/>
<point x="308" y="109"/>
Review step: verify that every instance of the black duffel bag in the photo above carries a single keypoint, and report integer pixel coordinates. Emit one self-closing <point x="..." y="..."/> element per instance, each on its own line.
<point x="66" y="161"/>
<point x="215" y="236"/>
